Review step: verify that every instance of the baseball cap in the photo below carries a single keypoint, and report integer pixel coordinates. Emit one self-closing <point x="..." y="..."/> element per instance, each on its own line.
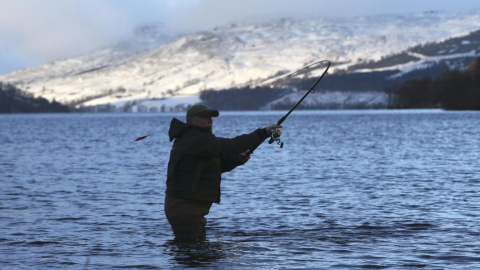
<point x="201" y="110"/>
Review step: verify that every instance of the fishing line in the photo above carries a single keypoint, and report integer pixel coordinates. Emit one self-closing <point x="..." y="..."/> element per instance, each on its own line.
<point x="295" y="76"/>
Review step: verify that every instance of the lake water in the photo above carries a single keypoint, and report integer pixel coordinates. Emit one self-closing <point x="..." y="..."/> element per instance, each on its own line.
<point x="349" y="190"/>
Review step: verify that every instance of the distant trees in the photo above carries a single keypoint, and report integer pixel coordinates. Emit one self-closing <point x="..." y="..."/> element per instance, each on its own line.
<point x="13" y="100"/>
<point x="415" y="94"/>
<point x="454" y="90"/>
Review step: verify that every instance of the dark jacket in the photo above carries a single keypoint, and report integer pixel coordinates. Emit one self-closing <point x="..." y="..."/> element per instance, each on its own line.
<point x="198" y="158"/>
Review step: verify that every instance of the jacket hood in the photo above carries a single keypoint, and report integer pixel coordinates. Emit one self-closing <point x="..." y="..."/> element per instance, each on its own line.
<point x="177" y="127"/>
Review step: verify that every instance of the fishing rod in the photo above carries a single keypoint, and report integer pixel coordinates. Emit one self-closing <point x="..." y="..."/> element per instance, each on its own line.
<point x="276" y="133"/>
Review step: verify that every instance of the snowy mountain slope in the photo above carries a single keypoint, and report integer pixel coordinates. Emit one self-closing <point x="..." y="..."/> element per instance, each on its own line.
<point x="157" y="75"/>
<point x="143" y="38"/>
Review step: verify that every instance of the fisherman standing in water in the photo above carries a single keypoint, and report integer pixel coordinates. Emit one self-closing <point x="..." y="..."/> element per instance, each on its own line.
<point x="197" y="160"/>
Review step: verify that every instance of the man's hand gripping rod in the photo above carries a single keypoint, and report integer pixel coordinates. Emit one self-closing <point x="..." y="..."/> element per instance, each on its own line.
<point x="276" y="133"/>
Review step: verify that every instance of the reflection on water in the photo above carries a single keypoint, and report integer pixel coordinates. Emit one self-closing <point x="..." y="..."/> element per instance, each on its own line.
<point x="349" y="190"/>
<point x="195" y="254"/>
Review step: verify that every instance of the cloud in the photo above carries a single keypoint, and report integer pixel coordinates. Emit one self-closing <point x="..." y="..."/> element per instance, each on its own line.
<point x="42" y="31"/>
<point x="59" y="28"/>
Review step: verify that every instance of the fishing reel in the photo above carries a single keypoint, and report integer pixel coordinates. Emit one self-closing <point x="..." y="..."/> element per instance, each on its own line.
<point x="275" y="137"/>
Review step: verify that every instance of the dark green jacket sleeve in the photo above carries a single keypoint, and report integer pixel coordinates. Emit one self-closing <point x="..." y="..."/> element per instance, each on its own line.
<point x="226" y="148"/>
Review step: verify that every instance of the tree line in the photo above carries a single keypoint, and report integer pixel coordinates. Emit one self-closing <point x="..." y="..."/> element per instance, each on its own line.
<point x="13" y="100"/>
<point x="453" y="90"/>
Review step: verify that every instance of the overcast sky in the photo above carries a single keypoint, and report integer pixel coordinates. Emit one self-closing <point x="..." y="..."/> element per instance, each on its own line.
<point x="34" y="32"/>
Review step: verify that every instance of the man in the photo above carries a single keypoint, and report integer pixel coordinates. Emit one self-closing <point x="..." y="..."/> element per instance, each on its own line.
<point x="197" y="160"/>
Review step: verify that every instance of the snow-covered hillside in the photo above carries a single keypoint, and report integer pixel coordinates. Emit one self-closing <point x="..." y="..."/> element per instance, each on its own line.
<point x="155" y="72"/>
